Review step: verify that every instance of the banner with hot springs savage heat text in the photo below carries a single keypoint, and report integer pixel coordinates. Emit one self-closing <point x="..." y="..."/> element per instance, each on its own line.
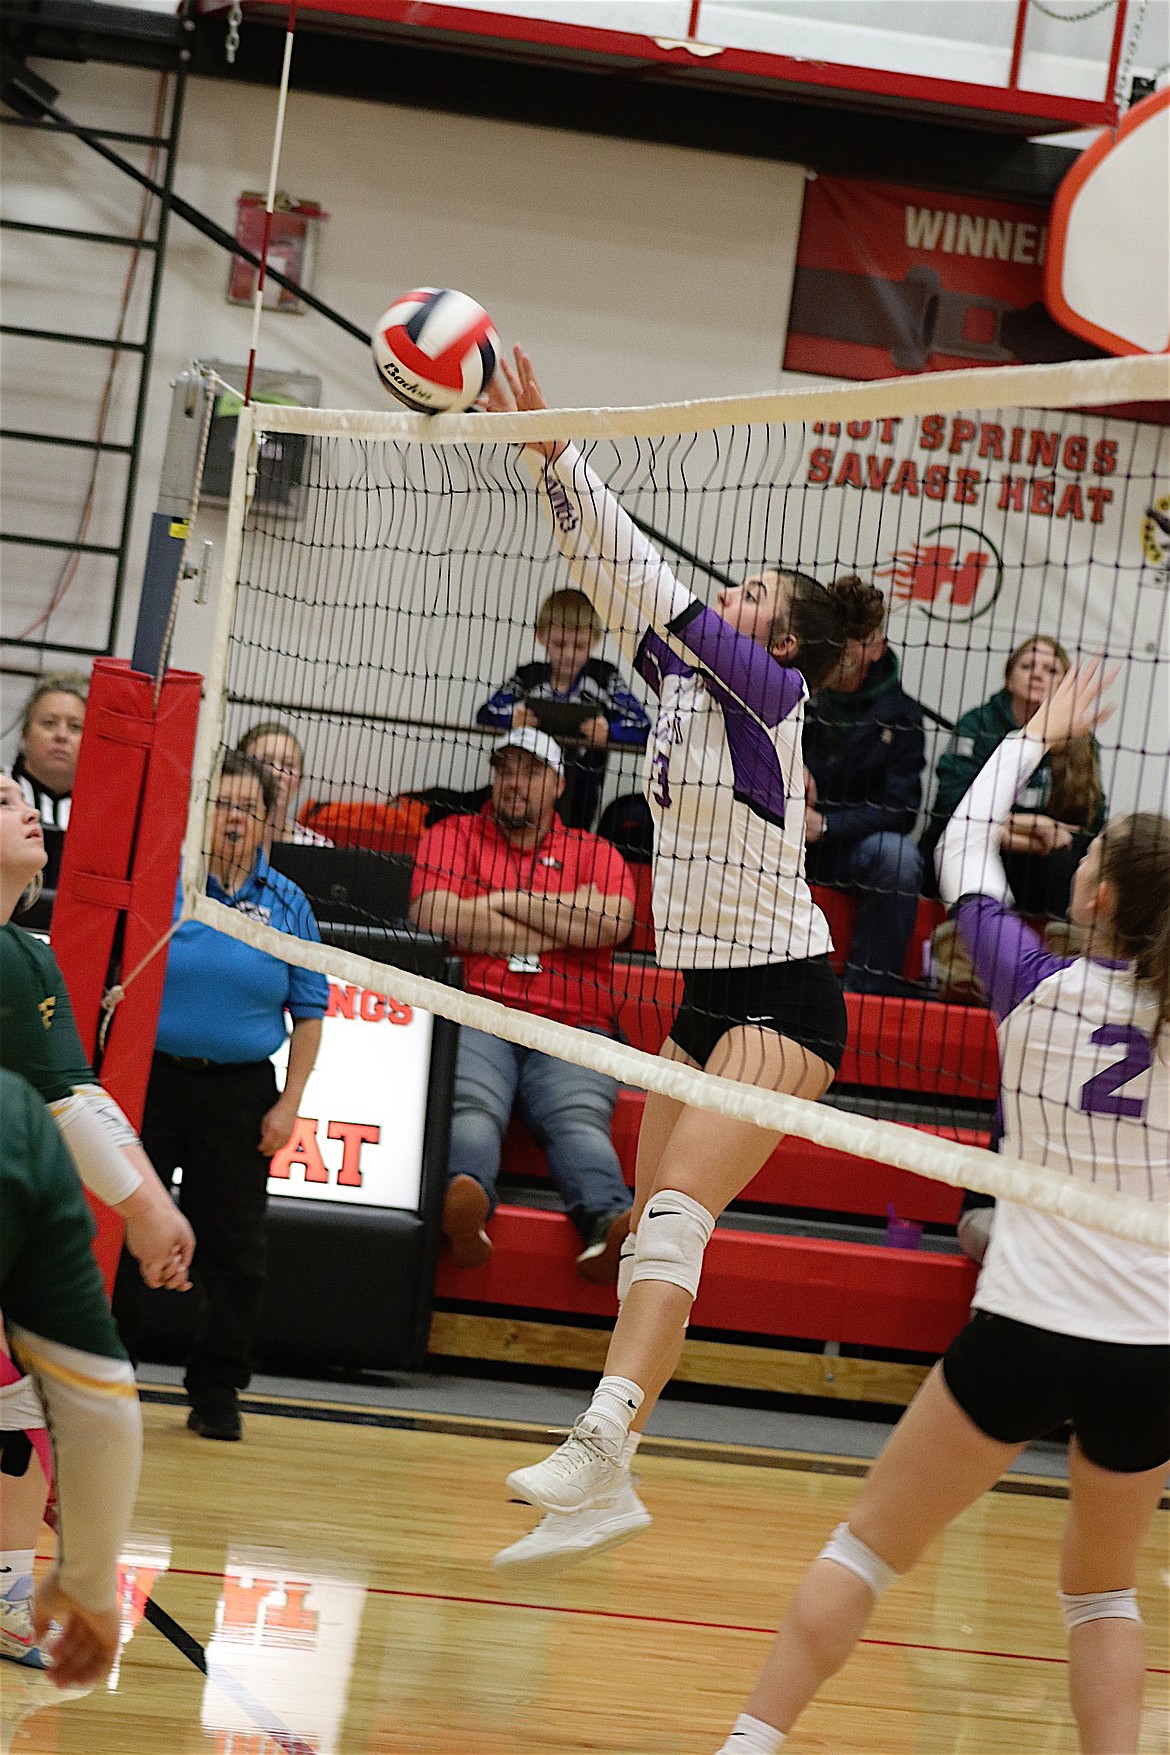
<point x="984" y="529"/>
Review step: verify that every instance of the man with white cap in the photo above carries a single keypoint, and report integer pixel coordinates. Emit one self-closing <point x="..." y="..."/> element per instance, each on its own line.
<point x="534" y="911"/>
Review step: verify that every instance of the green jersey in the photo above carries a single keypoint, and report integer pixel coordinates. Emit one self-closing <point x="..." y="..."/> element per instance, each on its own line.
<point x="49" y="1279"/>
<point x="38" y="1037"/>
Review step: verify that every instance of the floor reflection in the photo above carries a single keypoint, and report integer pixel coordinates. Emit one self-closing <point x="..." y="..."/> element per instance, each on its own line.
<point x="283" y="1632"/>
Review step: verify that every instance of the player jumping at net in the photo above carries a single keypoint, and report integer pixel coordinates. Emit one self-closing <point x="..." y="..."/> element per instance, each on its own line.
<point x="39" y="1041"/>
<point x="1069" y="1324"/>
<point x="761" y="1003"/>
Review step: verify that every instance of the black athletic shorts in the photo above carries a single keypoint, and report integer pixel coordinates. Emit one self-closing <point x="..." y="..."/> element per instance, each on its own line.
<point x="1017" y="1383"/>
<point x="800" y="1000"/>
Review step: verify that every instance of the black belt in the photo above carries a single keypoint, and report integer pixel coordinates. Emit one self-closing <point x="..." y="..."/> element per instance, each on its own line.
<point x="917" y="316"/>
<point x="196" y="1063"/>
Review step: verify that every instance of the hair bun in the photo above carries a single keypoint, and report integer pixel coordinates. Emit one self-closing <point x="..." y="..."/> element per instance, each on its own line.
<point x="863" y="606"/>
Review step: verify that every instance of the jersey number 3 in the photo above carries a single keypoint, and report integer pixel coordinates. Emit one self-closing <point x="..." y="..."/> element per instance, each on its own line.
<point x="1100" y="1095"/>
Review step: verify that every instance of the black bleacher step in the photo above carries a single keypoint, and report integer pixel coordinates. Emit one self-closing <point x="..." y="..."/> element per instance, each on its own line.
<point x="828" y="1229"/>
<point x="910" y="1110"/>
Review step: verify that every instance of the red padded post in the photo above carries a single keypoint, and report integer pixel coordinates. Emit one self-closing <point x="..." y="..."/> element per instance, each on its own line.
<point x="121" y="857"/>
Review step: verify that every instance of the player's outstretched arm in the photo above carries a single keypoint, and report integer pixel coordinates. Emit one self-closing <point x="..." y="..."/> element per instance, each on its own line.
<point x="1009" y="957"/>
<point x="611" y="561"/>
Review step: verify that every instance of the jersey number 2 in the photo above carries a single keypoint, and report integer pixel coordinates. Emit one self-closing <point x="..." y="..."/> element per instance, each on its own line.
<point x="1100" y="1094"/>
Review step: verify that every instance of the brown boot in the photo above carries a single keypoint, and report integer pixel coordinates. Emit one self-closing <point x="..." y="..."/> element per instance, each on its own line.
<point x="465" y="1213"/>
<point x="598" y="1261"/>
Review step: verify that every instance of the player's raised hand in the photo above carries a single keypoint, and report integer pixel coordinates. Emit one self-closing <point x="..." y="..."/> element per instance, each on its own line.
<point x="514" y="389"/>
<point x="1076" y="705"/>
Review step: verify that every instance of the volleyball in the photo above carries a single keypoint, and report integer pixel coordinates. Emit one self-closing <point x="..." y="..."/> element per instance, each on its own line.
<point x="435" y="349"/>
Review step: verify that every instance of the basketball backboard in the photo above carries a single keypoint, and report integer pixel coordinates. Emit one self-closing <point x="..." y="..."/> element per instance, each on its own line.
<point x="1107" y="276"/>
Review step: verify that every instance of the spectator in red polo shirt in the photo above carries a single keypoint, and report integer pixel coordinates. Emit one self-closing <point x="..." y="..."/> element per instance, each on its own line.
<point x="534" y="910"/>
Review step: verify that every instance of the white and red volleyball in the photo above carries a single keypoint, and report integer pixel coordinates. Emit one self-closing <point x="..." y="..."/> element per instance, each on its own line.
<point x="435" y="349"/>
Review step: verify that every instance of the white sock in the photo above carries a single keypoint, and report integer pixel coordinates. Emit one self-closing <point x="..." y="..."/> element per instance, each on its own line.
<point x="16" y="1565"/>
<point x="751" y="1736"/>
<point x="615" y="1402"/>
<point x="630" y="1448"/>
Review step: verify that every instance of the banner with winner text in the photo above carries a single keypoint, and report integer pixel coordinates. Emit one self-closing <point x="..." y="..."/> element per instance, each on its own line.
<point x="892" y="280"/>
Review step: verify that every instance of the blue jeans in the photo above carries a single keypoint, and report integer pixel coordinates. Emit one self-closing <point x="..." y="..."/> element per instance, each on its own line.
<point x="568" y="1110"/>
<point x="884" y="871"/>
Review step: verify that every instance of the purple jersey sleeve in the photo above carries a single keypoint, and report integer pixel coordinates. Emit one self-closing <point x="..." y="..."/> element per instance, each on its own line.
<point x="656" y="660"/>
<point x="759" y="781"/>
<point x="766" y="688"/>
<point x="1010" y="957"/>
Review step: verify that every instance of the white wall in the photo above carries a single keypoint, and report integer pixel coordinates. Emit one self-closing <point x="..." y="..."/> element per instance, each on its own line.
<point x="635" y="273"/>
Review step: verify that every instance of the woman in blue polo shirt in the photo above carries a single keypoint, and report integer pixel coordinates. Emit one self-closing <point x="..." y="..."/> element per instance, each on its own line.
<point x="212" y="1105"/>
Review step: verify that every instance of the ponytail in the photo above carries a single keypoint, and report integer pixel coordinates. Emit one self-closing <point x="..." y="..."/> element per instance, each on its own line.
<point x="1135" y="859"/>
<point x="823" y="618"/>
<point x="1076" y="794"/>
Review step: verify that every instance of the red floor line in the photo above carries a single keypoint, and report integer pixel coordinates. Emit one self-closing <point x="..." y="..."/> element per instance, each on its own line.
<point x="437" y="1596"/>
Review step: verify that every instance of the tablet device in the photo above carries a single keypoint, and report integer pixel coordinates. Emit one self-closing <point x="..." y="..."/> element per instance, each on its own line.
<point x="562" y="718"/>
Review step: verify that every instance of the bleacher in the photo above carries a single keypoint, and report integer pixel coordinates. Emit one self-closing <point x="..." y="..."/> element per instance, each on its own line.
<point x="801" y="1290"/>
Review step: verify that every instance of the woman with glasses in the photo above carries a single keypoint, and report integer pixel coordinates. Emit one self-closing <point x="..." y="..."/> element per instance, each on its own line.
<point x="212" y="1105"/>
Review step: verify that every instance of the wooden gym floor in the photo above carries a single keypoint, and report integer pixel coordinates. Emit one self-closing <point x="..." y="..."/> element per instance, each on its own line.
<point x="325" y="1586"/>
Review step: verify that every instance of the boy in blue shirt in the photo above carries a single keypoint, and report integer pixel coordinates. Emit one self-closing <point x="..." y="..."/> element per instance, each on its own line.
<point x="545" y="692"/>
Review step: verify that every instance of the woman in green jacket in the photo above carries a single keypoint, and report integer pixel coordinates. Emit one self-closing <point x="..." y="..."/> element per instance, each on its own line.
<point x="1049" y="832"/>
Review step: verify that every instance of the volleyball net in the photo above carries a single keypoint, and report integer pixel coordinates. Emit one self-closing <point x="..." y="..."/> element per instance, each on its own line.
<point x="401" y="593"/>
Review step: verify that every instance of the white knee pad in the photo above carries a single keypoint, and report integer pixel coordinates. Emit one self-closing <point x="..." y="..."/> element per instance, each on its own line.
<point x="1099" y="1605"/>
<point x="673" y="1232"/>
<point x="625" y="1273"/>
<point x="20" y="1407"/>
<point x="845" y="1549"/>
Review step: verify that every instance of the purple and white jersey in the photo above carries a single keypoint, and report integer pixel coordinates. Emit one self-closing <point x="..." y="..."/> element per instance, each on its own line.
<point x="724" y="776"/>
<point x="1083" y="1090"/>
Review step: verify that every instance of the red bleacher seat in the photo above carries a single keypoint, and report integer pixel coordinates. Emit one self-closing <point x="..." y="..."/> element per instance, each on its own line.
<point x="894" y="1044"/>
<point x="387" y="826"/>
<point x="799" y="1173"/>
<point x="921" y="1045"/>
<point x="796" y="1287"/>
<point x="838" y="906"/>
<point x="840" y="910"/>
<point x="647" y="998"/>
<point x="641" y="939"/>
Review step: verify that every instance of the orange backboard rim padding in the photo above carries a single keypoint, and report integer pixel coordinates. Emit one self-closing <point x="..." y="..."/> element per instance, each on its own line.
<point x="1070" y="188"/>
